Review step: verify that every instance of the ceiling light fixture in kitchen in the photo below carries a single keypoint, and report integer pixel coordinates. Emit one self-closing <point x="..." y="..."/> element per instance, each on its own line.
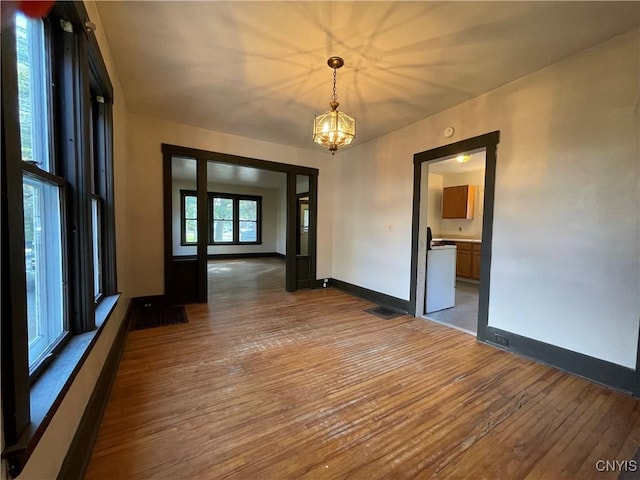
<point x="463" y="158"/>
<point x="334" y="129"/>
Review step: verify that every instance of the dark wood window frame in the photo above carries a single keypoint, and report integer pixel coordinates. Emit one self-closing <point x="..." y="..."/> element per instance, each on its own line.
<point x="236" y="198"/>
<point x="183" y="218"/>
<point x="211" y="196"/>
<point x="30" y="400"/>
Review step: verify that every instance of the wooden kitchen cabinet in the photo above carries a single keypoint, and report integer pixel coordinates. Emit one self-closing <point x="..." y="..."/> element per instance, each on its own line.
<point x="458" y="202"/>
<point x="468" y="259"/>
<point x="476" y="255"/>
<point x="463" y="259"/>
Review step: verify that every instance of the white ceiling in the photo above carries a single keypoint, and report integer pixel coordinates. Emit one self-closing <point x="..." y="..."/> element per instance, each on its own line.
<point x="258" y="69"/>
<point x="449" y="165"/>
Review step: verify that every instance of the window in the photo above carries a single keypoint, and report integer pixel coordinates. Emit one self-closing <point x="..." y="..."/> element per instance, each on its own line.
<point x="189" y="217"/>
<point x="42" y="196"/>
<point x="233" y="219"/>
<point x="223" y="219"/>
<point x="58" y="248"/>
<point x="46" y="315"/>
<point x="248" y="215"/>
<point x="33" y="92"/>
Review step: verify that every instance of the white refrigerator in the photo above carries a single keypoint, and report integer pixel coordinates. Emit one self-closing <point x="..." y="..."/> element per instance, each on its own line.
<point x="441" y="278"/>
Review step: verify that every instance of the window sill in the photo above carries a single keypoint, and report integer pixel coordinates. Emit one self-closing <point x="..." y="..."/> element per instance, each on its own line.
<point x="49" y="390"/>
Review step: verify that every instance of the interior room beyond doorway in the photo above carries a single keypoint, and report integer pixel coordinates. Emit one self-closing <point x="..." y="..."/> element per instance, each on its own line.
<point x="454" y="216"/>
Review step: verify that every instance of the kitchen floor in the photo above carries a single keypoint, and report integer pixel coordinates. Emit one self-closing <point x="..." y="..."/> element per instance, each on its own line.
<point x="464" y="315"/>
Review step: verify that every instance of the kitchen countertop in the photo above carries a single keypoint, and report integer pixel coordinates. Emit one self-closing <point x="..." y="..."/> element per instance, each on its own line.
<point x="458" y="239"/>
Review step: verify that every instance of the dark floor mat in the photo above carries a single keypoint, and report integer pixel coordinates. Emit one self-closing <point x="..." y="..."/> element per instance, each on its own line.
<point x="384" y="312"/>
<point x="157" y="316"/>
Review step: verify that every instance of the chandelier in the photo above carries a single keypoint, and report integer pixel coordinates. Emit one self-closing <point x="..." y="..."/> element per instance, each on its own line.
<point x="334" y="129"/>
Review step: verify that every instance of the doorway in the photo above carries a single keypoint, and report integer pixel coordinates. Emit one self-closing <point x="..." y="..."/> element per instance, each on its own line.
<point x="201" y="219"/>
<point x="453" y="198"/>
<point x="419" y="252"/>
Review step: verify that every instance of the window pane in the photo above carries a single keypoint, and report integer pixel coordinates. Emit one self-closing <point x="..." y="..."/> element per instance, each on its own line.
<point x="33" y="100"/>
<point x="190" y="207"/>
<point x="222" y="208"/>
<point x="222" y="231"/>
<point x="97" y="247"/>
<point x="43" y="262"/>
<point x="249" y="210"/>
<point x="191" y="231"/>
<point x="248" y="232"/>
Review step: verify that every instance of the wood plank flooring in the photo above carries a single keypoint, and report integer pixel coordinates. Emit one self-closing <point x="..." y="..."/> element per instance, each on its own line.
<point x="265" y="384"/>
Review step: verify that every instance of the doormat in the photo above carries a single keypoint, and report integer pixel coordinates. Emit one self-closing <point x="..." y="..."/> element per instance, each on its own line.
<point x="383" y="312"/>
<point x="157" y="316"/>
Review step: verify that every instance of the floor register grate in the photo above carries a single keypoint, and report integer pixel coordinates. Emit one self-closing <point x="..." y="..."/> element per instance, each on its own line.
<point x="383" y="312"/>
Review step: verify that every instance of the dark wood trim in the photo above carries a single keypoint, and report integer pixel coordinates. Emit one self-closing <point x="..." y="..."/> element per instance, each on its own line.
<point x="489" y="141"/>
<point x="13" y="328"/>
<point x="487" y="235"/>
<point x="371" y="295"/>
<point x="167" y="192"/>
<point x="591" y="368"/>
<point x="106" y="189"/>
<point x="176" y="150"/>
<point x="203" y="229"/>
<point x="72" y="120"/>
<point x="183" y="218"/>
<point x="169" y="151"/>
<point x="79" y="454"/>
<point x="292" y="213"/>
<point x="236" y="197"/>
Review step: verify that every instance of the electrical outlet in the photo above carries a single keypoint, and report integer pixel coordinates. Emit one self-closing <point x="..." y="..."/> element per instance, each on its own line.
<point x="501" y="340"/>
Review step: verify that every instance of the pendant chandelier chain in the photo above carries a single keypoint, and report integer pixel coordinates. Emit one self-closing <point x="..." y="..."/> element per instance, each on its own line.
<point x="334" y="97"/>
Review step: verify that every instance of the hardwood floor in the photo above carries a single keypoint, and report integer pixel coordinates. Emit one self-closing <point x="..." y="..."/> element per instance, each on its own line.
<point x="265" y="384"/>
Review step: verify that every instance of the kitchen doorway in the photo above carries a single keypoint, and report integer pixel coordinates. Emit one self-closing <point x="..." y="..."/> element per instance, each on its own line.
<point x="471" y="240"/>
<point x="453" y="197"/>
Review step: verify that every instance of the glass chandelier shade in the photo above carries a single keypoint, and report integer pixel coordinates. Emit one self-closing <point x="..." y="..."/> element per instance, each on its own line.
<point x="334" y="129"/>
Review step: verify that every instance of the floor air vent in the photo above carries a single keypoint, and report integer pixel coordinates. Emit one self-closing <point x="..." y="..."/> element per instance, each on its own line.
<point x="384" y="312"/>
<point x="157" y="316"/>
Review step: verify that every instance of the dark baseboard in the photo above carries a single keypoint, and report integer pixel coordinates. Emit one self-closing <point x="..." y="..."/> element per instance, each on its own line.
<point x="600" y="371"/>
<point x="78" y="456"/>
<point x="231" y="256"/>
<point x="371" y="295"/>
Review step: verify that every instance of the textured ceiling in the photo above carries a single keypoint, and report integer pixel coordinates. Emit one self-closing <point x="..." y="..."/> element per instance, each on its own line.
<point x="258" y="69"/>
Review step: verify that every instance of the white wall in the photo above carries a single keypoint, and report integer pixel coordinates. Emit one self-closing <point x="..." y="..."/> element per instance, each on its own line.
<point x="566" y="231"/>
<point x="47" y="458"/>
<point x="145" y="136"/>
<point x="457" y="227"/>
<point x="270" y="214"/>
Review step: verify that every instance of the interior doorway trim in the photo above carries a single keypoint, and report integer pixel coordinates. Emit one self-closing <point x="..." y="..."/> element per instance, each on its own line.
<point x="203" y="157"/>
<point x="489" y="142"/>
